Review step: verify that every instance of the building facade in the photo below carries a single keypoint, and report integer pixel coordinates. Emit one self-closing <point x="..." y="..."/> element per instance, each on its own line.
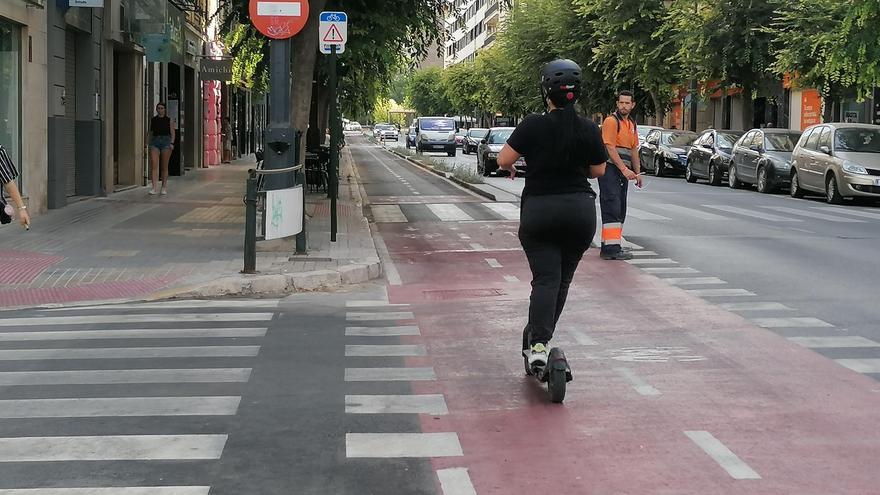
<point x="472" y="25"/>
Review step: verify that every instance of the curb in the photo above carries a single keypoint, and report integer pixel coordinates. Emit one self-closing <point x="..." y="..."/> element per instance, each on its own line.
<point x="445" y="175"/>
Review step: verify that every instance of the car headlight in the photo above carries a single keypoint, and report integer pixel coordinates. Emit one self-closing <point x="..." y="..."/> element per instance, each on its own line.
<point x="854" y="168"/>
<point x="670" y="155"/>
<point x="492" y="155"/>
<point x="451" y="137"/>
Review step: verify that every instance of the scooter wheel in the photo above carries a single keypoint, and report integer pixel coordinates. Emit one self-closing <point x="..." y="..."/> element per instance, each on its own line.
<point x="556" y="385"/>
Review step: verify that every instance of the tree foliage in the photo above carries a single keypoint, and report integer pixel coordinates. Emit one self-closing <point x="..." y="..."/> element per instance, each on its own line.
<point x="426" y="94"/>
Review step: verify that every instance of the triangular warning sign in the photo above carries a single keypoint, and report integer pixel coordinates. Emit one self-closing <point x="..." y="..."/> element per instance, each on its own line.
<point x="333" y="35"/>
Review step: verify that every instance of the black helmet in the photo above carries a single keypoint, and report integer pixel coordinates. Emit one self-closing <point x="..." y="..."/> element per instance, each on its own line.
<point x="561" y="76"/>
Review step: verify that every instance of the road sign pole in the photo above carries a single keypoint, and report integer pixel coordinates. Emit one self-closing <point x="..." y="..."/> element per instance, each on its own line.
<point x="334" y="145"/>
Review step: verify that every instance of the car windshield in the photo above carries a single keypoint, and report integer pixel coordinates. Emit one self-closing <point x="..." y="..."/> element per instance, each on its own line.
<point x="437" y="124"/>
<point x="781" y="142"/>
<point x="478" y="133"/>
<point x="726" y="140"/>
<point x="678" y="138"/>
<point x="857" y="140"/>
<point x="499" y="136"/>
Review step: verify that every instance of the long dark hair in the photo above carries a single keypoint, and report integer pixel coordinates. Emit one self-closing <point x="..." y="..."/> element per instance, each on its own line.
<point x="571" y="133"/>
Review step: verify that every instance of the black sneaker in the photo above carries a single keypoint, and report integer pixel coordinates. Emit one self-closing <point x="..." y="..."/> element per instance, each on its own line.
<point x="616" y="255"/>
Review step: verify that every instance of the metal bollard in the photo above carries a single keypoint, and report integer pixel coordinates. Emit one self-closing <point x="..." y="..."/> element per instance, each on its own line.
<point x="250" y="224"/>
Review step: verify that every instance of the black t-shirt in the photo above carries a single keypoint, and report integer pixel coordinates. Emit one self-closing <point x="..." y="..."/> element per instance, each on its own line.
<point x="160" y="126"/>
<point x="546" y="173"/>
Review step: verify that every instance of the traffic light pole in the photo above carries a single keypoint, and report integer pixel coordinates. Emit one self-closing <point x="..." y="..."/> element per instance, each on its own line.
<point x="334" y="145"/>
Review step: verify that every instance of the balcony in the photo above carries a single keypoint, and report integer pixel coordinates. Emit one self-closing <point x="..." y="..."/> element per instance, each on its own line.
<point x="492" y="8"/>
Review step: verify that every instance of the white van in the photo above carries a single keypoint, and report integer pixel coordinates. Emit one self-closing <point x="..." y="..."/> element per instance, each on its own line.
<point x="435" y="134"/>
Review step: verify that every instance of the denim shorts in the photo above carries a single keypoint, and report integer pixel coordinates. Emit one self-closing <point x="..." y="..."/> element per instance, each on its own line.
<point x="161" y="143"/>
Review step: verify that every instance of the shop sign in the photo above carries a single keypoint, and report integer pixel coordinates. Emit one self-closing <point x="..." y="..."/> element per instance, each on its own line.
<point x="216" y="70"/>
<point x="811" y="108"/>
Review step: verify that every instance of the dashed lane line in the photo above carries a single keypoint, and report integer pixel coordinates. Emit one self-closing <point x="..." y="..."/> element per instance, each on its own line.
<point x="455" y="481"/>
<point x="735" y="467"/>
<point x="640" y="385"/>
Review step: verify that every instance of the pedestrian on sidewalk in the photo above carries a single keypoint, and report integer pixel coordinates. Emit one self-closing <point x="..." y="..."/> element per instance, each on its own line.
<point x="8" y="174"/>
<point x="162" y="133"/>
<point x="558" y="215"/>
<point x="621" y="140"/>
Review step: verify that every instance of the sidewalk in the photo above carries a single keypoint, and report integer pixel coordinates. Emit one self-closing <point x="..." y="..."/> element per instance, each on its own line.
<point x="188" y="243"/>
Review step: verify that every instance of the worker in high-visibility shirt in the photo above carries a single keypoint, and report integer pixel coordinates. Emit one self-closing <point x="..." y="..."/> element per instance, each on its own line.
<point x="622" y="142"/>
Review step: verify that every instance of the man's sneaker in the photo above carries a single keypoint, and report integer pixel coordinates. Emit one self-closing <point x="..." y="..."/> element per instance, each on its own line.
<point x="616" y="255"/>
<point x="537" y="355"/>
<point x="152" y="192"/>
<point x="164" y="191"/>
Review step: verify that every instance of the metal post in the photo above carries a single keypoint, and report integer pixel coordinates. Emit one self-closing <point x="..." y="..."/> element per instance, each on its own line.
<point x="250" y="224"/>
<point x="334" y="145"/>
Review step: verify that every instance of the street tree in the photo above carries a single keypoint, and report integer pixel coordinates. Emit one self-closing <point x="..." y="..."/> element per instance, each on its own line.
<point x="425" y="92"/>
<point x="465" y="88"/>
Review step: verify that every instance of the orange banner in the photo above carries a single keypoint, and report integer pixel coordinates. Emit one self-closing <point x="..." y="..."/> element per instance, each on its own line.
<point x="811" y="108"/>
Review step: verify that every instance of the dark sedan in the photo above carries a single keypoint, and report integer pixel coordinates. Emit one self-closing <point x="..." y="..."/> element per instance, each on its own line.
<point x="709" y="157"/>
<point x="472" y="139"/>
<point x="490" y="146"/>
<point x="665" y="152"/>
<point x="763" y="157"/>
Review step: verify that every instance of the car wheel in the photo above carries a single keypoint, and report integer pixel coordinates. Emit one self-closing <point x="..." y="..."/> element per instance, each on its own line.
<point x="796" y="191"/>
<point x="451" y="153"/>
<point x="832" y="192"/>
<point x="714" y="175"/>
<point x="732" y="180"/>
<point x="689" y="174"/>
<point x="765" y="185"/>
<point x="658" y="168"/>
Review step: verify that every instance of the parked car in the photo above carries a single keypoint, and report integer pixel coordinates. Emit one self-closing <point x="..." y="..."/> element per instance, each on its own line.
<point x="388" y="133"/>
<point x="435" y="134"/>
<point x="377" y="129"/>
<point x="459" y="138"/>
<point x="643" y="130"/>
<point x="664" y="152"/>
<point x="762" y="157"/>
<point x="839" y="160"/>
<point x="411" y="137"/>
<point x="709" y="156"/>
<point x="472" y="139"/>
<point x="487" y="150"/>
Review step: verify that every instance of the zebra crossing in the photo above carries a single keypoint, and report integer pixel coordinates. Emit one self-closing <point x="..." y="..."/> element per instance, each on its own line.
<point x="392" y="320"/>
<point x="121" y="365"/>
<point x="444" y="212"/>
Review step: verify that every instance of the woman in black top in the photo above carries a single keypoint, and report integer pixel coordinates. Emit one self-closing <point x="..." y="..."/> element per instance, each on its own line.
<point x="558" y="216"/>
<point x="161" y="145"/>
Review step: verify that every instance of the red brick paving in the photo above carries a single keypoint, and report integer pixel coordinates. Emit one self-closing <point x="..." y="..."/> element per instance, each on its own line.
<point x="85" y="292"/>
<point x="23" y="267"/>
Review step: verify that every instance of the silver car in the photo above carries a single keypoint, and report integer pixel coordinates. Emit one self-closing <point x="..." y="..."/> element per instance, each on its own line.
<point x="839" y="160"/>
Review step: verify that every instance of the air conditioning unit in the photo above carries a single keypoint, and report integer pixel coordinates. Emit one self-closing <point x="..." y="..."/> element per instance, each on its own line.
<point x="36" y="3"/>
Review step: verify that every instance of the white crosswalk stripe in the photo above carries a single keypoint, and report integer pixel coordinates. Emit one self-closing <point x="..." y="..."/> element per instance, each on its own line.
<point x="130" y="352"/>
<point x="449" y="212"/>
<point x="115" y="490"/>
<point x="134" y="333"/>
<point x="385" y="445"/>
<point x="643" y="215"/>
<point x="129" y="318"/>
<point x="703" y="215"/>
<point x="751" y="213"/>
<point x="119" y="406"/>
<point x="812" y="214"/>
<point x="387" y="214"/>
<point x="508" y="211"/>
<point x="111" y="448"/>
<point x="199" y="303"/>
<point x="845" y="210"/>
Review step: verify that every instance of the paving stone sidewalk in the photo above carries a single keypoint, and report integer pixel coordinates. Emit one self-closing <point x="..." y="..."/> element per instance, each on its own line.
<point x="188" y="243"/>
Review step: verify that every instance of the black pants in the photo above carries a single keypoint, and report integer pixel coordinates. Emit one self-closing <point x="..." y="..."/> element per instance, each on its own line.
<point x="555" y="231"/>
<point x="613" y="187"/>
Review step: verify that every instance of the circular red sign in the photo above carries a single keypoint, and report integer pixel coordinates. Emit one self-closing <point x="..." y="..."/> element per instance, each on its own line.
<point x="279" y="19"/>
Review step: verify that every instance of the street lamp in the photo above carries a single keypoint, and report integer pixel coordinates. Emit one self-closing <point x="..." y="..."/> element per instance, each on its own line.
<point x="693" y="86"/>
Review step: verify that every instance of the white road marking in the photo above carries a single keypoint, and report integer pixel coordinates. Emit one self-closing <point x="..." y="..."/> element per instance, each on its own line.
<point x="644" y="253"/>
<point x="138" y="333"/>
<point x="694" y="281"/>
<point x="670" y="269"/>
<point x="389" y="374"/>
<point x="756" y="306"/>
<point x="641" y="386"/>
<point x="643" y="215"/>
<point x="195" y="303"/>
<point x="652" y="261"/>
<point x="581" y="338"/>
<point x="812" y="214"/>
<point x="151" y="318"/>
<point x="493" y="263"/>
<point x="386" y="445"/>
<point x="843" y="341"/>
<point x="751" y="213"/>
<point x="119" y="406"/>
<point x="860" y="365"/>
<point x="130" y="352"/>
<point x="107" y="377"/>
<point x="387" y="214"/>
<point x="720" y="292"/>
<point x="464" y="237"/>
<point x="625" y="243"/>
<point x="454" y="481"/>
<point x="373" y="304"/>
<point x="448" y="212"/>
<point x="115" y="490"/>
<point x="381" y="331"/>
<point x="111" y="448"/>
<point x="388" y="267"/>
<point x="847" y="211"/>
<point x="399" y="315"/>
<point x="508" y="211"/>
<point x="511" y="278"/>
<point x="799" y="322"/>
<point x="735" y="467"/>
<point x="383" y="350"/>
<point x="396" y="404"/>
<point x="691" y="212"/>
<point x="477" y="247"/>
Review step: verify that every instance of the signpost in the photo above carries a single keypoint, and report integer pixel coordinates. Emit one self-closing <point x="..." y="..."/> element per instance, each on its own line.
<point x="332" y="35"/>
<point x="280" y="20"/>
